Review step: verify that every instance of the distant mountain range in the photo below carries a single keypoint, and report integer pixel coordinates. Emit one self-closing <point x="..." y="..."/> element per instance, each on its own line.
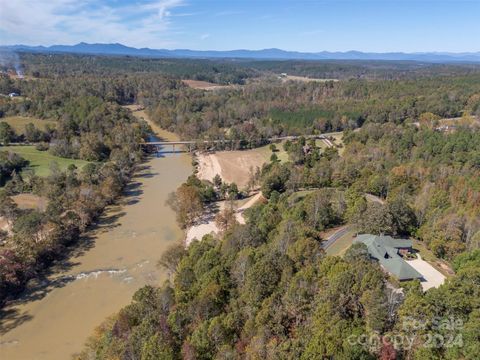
<point x="265" y="54"/>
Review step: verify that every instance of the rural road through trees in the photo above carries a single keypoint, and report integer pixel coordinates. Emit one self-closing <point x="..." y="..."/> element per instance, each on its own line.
<point x="335" y="236"/>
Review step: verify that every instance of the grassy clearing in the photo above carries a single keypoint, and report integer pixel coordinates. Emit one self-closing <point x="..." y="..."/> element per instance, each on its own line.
<point x="40" y="161"/>
<point x="266" y="152"/>
<point x="18" y="123"/>
<point x="339" y="247"/>
<point x="321" y="144"/>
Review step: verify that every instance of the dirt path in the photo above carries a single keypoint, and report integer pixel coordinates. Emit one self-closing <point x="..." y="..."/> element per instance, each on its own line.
<point x="252" y="201"/>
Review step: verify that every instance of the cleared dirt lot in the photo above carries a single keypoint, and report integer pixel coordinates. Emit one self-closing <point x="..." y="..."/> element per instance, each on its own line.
<point x="234" y="166"/>
<point x="30" y="201"/>
<point x="305" y="79"/>
<point x="205" y="85"/>
<point x="432" y="277"/>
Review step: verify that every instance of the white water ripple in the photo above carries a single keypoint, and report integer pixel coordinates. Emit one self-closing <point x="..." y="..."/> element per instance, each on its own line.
<point x="96" y="273"/>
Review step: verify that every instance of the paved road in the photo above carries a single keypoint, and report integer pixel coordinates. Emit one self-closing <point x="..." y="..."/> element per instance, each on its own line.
<point x="335" y="236"/>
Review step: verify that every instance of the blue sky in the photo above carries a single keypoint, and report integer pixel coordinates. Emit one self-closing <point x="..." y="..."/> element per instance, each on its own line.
<point x="303" y="25"/>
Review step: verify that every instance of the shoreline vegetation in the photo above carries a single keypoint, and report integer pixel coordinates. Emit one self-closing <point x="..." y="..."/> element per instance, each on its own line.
<point x="97" y="162"/>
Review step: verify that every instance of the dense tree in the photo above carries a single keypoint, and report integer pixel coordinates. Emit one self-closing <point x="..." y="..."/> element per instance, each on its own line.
<point x="7" y="134"/>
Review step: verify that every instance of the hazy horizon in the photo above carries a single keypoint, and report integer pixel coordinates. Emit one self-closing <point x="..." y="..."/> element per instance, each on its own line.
<point x="248" y="49"/>
<point x="304" y="26"/>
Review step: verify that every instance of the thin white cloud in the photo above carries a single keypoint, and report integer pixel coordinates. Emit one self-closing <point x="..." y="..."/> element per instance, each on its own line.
<point x="204" y="36"/>
<point x="49" y="22"/>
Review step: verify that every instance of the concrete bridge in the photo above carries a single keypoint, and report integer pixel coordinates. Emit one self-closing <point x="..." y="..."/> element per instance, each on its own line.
<point x="189" y="143"/>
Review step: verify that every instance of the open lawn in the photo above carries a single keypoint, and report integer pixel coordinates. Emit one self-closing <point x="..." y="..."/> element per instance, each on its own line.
<point x="40" y="161"/>
<point x="266" y="152"/>
<point x="18" y="123"/>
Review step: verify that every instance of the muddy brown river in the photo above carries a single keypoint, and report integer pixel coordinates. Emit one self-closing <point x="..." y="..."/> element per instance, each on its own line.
<point x="53" y="320"/>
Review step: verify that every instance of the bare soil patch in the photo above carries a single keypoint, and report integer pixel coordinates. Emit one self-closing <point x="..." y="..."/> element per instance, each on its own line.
<point x="305" y="79"/>
<point x="232" y="166"/>
<point x="205" y="85"/>
<point x="4" y="225"/>
<point x="30" y="201"/>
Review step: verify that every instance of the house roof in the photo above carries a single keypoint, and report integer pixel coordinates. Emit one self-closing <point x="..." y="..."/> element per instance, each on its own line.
<point x="400" y="269"/>
<point x="385" y="250"/>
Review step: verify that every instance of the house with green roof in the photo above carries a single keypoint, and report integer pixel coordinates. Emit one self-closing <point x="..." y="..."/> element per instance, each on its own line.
<point x="387" y="251"/>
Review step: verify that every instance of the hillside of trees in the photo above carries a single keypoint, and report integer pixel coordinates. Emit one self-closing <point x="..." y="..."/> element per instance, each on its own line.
<point x="265" y="106"/>
<point x="267" y="290"/>
<point x="274" y="108"/>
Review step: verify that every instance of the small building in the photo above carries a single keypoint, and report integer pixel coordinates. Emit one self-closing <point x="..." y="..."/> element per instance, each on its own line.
<point x="389" y="253"/>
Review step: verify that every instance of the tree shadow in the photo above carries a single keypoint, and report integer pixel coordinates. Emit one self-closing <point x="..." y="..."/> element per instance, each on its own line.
<point x="10" y="318"/>
<point x="209" y="213"/>
<point x="172" y="152"/>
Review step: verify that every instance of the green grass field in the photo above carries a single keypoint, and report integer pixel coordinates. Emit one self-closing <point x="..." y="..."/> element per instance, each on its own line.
<point x="18" y="123"/>
<point x="266" y="152"/>
<point x="40" y="161"/>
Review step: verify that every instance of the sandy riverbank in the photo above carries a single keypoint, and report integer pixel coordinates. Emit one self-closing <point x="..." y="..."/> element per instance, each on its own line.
<point x="206" y="224"/>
